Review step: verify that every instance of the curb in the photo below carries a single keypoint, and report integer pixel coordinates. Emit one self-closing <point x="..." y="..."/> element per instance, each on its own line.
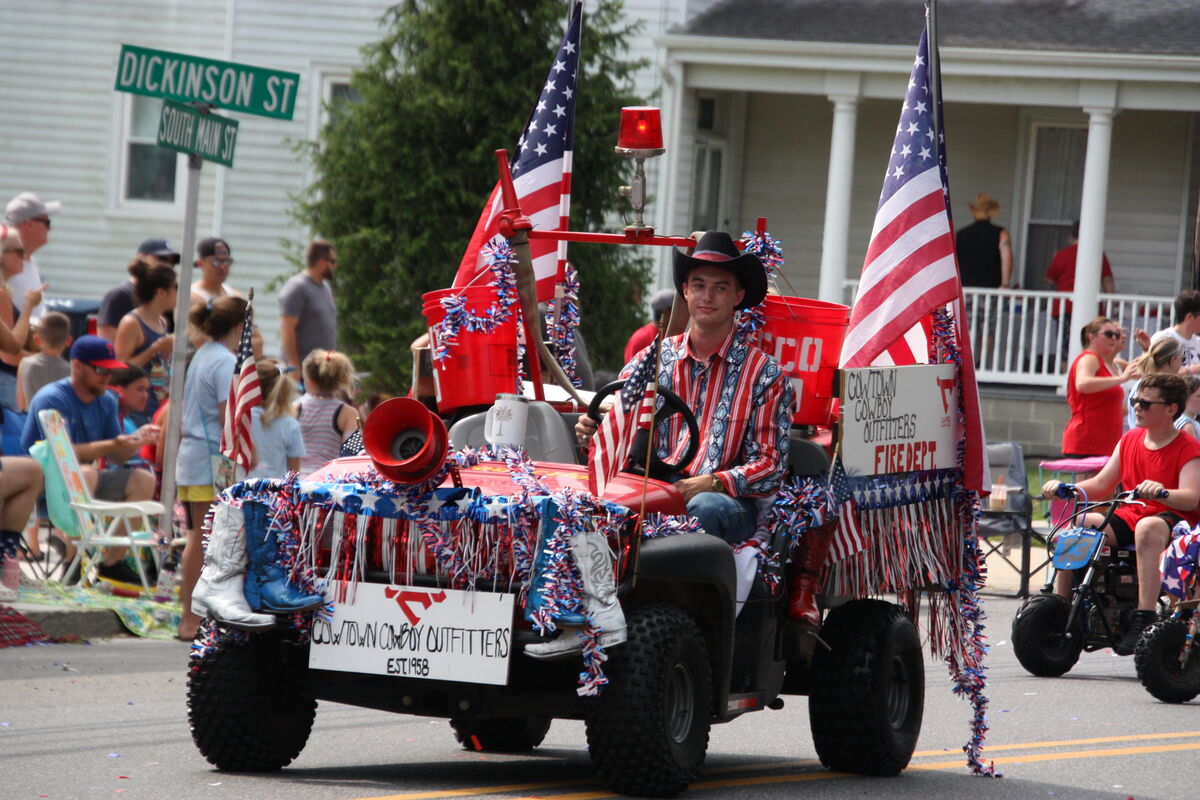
<point x="86" y="623"/>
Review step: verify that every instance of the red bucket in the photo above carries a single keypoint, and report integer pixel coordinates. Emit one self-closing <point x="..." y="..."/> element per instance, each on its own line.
<point x="805" y="337"/>
<point x="480" y="365"/>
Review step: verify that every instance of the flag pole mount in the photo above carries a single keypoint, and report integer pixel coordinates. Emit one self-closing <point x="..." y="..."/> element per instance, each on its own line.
<point x="640" y="138"/>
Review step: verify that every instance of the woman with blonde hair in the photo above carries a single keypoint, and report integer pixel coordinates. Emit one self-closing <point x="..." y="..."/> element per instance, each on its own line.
<point x="325" y="419"/>
<point x="205" y="392"/>
<point x="16" y="323"/>
<point x="278" y="444"/>
<point x="1164" y="356"/>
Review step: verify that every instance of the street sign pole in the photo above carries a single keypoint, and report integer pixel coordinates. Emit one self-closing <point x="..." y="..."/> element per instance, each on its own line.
<point x="179" y="352"/>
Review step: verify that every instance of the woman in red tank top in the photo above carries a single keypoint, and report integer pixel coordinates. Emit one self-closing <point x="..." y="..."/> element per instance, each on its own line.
<point x="1094" y="392"/>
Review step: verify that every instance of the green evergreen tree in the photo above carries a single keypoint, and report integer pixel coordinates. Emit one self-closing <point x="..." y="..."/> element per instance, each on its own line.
<point x="402" y="175"/>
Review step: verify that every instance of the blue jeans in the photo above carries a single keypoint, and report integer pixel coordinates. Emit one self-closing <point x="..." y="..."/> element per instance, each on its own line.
<point x="731" y="518"/>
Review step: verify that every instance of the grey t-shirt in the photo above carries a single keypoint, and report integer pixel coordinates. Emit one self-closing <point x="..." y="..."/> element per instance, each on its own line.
<point x="39" y="369"/>
<point x="312" y="304"/>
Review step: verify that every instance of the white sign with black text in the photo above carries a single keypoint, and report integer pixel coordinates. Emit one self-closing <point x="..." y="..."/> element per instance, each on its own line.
<point x="413" y="632"/>
<point x="898" y="419"/>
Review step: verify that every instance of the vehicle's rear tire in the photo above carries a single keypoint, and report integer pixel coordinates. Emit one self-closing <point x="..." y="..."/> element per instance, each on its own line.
<point x="1157" y="660"/>
<point x="648" y="731"/>
<point x="246" y="707"/>
<point x="516" y="735"/>
<point x="868" y="689"/>
<point x="1039" y="636"/>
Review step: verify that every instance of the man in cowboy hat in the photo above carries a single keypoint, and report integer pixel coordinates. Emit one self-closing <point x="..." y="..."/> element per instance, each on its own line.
<point x="984" y="249"/>
<point x="741" y="398"/>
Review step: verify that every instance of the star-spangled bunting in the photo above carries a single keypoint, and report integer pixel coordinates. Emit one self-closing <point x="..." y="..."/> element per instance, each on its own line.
<point x="1178" y="564"/>
<point x="849" y="539"/>
<point x="911" y="267"/>
<point x="541" y="169"/>
<point x="634" y="409"/>
<point x="244" y="394"/>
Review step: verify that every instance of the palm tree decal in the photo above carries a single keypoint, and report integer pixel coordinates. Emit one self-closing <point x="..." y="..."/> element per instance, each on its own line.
<point x="503" y="414"/>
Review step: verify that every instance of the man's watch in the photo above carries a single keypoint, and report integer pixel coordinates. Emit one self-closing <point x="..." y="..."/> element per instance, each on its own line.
<point x="717" y="486"/>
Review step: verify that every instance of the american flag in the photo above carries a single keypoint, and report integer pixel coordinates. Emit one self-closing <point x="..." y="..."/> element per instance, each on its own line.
<point x="911" y="267"/>
<point x="633" y="410"/>
<point x="1179" y="564"/>
<point x="244" y="394"/>
<point x="849" y="539"/>
<point x="541" y="172"/>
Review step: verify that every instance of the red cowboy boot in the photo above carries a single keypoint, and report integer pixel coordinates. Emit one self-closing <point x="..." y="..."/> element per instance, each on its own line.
<point x="806" y="574"/>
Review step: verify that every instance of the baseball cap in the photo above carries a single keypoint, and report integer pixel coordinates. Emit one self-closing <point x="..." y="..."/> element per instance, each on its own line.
<point x="158" y="247"/>
<point x="95" y="351"/>
<point x="28" y="205"/>
<point x="208" y="247"/>
<point x="661" y="301"/>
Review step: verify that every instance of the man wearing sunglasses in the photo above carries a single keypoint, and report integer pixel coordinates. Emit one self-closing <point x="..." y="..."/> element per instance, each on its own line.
<point x="31" y="217"/>
<point x="90" y="412"/>
<point x="1153" y="457"/>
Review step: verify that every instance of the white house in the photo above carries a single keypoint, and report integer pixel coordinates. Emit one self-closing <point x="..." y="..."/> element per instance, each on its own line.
<point x="68" y="136"/>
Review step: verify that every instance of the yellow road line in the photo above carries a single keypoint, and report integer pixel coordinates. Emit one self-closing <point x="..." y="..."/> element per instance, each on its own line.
<point x="823" y="774"/>
<point x="1136" y="737"/>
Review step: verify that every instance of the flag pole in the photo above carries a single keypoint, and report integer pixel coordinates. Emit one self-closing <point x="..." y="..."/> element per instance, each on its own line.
<point x="658" y="345"/>
<point x="935" y="75"/>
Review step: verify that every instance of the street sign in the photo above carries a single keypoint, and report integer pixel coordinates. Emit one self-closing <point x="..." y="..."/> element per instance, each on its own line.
<point x="187" y="79"/>
<point x="186" y="130"/>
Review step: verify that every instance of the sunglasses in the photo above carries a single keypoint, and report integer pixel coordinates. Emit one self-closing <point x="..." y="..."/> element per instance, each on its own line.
<point x="1144" y="405"/>
<point x="44" y="220"/>
<point x="101" y="371"/>
<point x="219" y="261"/>
<point x="18" y="250"/>
<point x="1113" y="334"/>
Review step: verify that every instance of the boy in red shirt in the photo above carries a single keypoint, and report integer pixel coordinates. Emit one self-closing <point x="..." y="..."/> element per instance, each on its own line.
<point x="1153" y="457"/>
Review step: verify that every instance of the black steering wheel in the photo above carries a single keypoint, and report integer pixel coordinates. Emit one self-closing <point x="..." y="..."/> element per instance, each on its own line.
<point x="658" y="469"/>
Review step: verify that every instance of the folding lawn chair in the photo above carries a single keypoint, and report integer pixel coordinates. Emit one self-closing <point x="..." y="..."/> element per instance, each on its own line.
<point x="1003" y="528"/>
<point x="97" y="523"/>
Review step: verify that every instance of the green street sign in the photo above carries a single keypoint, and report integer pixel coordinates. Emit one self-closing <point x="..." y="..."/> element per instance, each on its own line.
<point x="186" y="130"/>
<point x="191" y="79"/>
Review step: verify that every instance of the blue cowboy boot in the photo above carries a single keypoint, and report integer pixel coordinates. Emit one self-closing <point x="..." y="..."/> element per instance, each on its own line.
<point x="266" y="586"/>
<point x="539" y="575"/>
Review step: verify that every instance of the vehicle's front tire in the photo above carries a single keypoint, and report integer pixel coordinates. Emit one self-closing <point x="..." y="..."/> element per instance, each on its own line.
<point x="516" y="735"/>
<point x="246" y="708"/>
<point x="1158" y="666"/>
<point x="648" y="731"/>
<point x="868" y="689"/>
<point x="1039" y="636"/>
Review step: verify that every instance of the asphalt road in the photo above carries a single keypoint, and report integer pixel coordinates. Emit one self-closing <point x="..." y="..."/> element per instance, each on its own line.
<point x="86" y="721"/>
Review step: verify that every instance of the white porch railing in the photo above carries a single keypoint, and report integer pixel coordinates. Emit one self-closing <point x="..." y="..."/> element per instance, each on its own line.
<point x="1018" y="339"/>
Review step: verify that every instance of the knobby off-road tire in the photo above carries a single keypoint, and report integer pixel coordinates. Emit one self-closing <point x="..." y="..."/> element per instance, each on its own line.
<point x="500" y="735"/>
<point x="1039" y="636"/>
<point x="868" y="690"/>
<point x="245" y="706"/>
<point x="648" y="731"/>
<point x="1157" y="661"/>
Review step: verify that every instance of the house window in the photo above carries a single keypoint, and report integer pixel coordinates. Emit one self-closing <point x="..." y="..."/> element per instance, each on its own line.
<point x="1056" y="190"/>
<point x="706" y="184"/>
<point x="149" y="172"/>
<point x="337" y="96"/>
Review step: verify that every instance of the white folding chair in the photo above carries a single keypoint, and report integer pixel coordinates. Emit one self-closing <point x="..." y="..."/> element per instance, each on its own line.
<point x="100" y="523"/>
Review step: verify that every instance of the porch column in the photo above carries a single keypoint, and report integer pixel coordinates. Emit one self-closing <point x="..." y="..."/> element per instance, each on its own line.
<point x="1092" y="209"/>
<point x="837" y="198"/>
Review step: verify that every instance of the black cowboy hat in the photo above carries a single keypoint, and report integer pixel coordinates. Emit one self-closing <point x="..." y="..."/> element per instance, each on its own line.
<point x="716" y="249"/>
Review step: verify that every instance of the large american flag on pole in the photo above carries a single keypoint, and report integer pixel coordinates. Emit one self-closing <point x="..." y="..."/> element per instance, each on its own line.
<point x="244" y="394"/>
<point x="541" y="172"/>
<point x="633" y="411"/>
<point x="911" y="268"/>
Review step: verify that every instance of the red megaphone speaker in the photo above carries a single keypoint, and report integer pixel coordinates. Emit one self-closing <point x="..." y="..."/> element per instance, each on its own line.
<point x="406" y="441"/>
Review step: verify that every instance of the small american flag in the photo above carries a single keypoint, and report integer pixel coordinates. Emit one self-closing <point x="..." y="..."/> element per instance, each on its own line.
<point x="244" y="394"/>
<point x="541" y="172"/>
<point x="633" y="410"/>
<point x="849" y="538"/>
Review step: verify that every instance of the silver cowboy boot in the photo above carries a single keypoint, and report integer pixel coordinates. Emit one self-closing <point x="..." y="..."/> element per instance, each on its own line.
<point x="219" y="591"/>
<point x="594" y="561"/>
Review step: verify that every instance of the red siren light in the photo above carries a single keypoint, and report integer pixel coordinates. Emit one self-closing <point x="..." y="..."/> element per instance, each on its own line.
<point x="641" y="132"/>
<point x="407" y="442"/>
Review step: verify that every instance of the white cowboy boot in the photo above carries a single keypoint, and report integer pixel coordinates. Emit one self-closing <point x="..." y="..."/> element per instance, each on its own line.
<point x="219" y="593"/>
<point x="595" y="563"/>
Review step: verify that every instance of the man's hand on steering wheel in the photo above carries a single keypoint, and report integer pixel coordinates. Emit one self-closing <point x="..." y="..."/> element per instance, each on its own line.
<point x="673" y="405"/>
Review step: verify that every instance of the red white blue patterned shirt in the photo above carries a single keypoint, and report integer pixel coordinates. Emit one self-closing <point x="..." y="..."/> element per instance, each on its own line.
<point x="742" y="402"/>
